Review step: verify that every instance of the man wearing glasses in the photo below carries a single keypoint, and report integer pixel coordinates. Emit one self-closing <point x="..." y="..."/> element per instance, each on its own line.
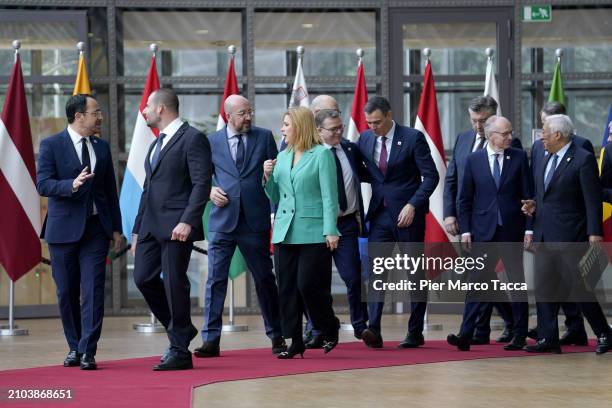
<point x="496" y="181"/>
<point x="240" y="217"/>
<point x="480" y="109"/>
<point x="75" y="171"/>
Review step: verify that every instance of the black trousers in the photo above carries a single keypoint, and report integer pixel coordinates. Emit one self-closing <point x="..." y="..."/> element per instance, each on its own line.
<point x="303" y="272"/>
<point x="166" y="294"/>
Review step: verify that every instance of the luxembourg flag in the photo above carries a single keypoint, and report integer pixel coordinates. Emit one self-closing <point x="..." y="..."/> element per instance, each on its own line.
<point x="134" y="177"/>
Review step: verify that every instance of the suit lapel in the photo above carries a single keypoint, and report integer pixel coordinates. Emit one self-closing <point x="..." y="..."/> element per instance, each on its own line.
<point x="71" y="149"/>
<point x="565" y="160"/>
<point x="147" y="163"/>
<point x="507" y="159"/>
<point x="396" y="147"/>
<point x="99" y="152"/>
<point x="228" y="152"/>
<point x="371" y="148"/>
<point x="306" y="157"/>
<point x="171" y="143"/>
<point x="252" y="139"/>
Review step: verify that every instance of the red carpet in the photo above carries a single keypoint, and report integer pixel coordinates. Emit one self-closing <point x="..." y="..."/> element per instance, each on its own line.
<point x="132" y="383"/>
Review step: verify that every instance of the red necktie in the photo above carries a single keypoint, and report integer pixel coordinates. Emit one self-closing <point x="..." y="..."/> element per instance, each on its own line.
<point x="382" y="162"/>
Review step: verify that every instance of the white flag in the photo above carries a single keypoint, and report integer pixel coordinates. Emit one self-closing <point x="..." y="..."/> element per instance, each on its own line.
<point x="491" y="85"/>
<point x="299" y="94"/>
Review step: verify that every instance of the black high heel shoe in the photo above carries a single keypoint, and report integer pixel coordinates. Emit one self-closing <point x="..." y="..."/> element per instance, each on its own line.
<point x="294" y="349"/>
<point x="332" y="341"/>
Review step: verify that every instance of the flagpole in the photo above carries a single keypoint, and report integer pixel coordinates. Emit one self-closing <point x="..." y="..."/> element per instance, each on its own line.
<point x="426" y="325"/>
<point x="153" y="326"/>
<point x="12" y="329"/>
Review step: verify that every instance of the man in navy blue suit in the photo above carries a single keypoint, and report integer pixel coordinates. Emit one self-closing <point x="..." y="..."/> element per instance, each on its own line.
<point x="480" y="109"/>
<point x="496" y="181"/>
<point x="349" y="166"/>
<point x="176" y="188"/>
<point x="240" y="217"/>
<point x="574" y="322"/>
<point x="75" y="170"/>
<point x="403" y="176"/>
<point x="567" y="209"/>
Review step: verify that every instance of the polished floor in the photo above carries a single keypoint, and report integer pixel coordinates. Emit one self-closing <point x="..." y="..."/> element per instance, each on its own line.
<point x="545" y="381"/>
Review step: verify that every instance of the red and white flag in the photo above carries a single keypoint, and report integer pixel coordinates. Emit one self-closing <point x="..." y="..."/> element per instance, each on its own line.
<point x="20" y="204"/>
<point x="231" y="88"/>
<point x="428" y="122"/>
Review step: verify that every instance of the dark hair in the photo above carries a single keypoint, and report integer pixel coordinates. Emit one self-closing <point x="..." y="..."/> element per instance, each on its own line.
<point x="483" y="103"/>
<point x="377" y="102"/>
<point x="76" y="104"/>
<point x="554" y="108"/>
<point x="325" y="114"/>
<point x="168" y="98"/>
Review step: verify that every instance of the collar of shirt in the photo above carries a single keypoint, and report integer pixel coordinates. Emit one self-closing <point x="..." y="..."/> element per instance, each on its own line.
<point x="562" y="152"/>
<point x="231" y="132"/>
<point x="391" y="132"/>
<point x="330" y="146"/>
<point x="491" y="152"/>
<point x="171" y="129"/>
<point x="75" y="137"/>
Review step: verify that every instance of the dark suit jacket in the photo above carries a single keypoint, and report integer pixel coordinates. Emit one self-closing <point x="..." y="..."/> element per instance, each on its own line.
<point x="411" y="175"/>
<point x="359" y="175"/>
<point x="454" y="172"/>
<point x="244" y="188"/>
<point x="58" y="166"/>
<point x="481" y="200"/>
<point x="538" y="153"/>
<point x="177" y="189"/>
<point x="570" y="209"/>
<point x="606" y="174"/>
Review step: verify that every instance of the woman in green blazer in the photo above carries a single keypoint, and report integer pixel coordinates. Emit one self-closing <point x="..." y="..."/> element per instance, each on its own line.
<point x="302" y="181"/>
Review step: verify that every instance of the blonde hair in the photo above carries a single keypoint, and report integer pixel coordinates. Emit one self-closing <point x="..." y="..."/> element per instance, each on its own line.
<point x="305" y="135"/>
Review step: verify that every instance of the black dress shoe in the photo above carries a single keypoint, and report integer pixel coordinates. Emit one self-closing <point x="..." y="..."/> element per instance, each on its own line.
<point x="207" y="350"/>
<point x="412" y="340"/>
<point x="579" y="339"/>
<point x="533" y="333"/>
<point x="316" y="342"/>
<point x="461" y="343"/>
<point x="88" y="362"/>
<point x="543" y="346"/>
<point x="479" y="341"/>
<point x="517" y="343"/>
<point x="506" y="336"/>
<point x="278" y="345"/>
<point x="357" y="333"/>
<point x="73" y="359"/>
<point x="372" y="339"/>
<point x="604" y="343"/>
<point x="296" y="347"/>
<point x="175" y="362"/>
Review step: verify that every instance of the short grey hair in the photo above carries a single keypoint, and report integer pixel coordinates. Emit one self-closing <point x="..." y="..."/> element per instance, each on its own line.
<point x="324" y="114"/>
<point x="489" y="125"/>
<point x="560" y="123"/>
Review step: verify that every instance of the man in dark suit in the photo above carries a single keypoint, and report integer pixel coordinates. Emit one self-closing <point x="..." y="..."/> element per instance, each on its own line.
<point x="496" y="181"/>
<point x="83" y="215"/>
<point x="480" y="109"/>
<point x="567" y="210"/>
<point x="349" y="168"/>
<point x="403" y="176"/>
<point x="240" y="217"/>
<point x="575" y="333"/>
<point x="176" y="188"/>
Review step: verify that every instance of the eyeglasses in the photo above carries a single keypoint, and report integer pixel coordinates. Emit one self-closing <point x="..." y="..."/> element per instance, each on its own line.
<point x="97" y="113"/>
<point x="504" y="134"/>
<point x="240" y="114"/>
<point x="338" y="129"/>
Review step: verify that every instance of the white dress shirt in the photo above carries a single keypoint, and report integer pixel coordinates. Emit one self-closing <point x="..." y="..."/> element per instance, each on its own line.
<point x="349" y="182"/>
<point x="389" y="143"/>
<point x="232" y="140"/>
<point x="78" y="146"/>
<point x="169" y="131"/>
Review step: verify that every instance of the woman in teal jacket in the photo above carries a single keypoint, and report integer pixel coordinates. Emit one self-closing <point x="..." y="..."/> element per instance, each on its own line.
<point x="302" y="181"/>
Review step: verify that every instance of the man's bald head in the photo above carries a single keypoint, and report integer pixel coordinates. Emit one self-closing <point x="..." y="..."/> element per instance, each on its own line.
<point x="322" y="102"/>
<point x="239" y="113"/>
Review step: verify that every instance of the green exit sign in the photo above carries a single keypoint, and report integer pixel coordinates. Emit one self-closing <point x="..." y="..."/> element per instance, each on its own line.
<point x="537" y="14"/>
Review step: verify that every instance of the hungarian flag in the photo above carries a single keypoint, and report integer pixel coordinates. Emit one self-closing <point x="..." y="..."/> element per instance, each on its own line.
<point x="81" y="85"/>
<point x="238" y="264"/>
<point x="134" y="177"/>
<point x="491" y="85"/>
<point x="556" y="87"/>
<point x="20" y="204"/>
<point x="428" y="122"/>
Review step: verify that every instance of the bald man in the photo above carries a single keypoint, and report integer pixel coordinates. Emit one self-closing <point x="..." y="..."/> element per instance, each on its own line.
<point x="240" y="217"/>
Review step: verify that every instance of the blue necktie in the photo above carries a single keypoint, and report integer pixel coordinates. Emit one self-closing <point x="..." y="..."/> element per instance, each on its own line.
<point x="497" y="178"/>
<point x="87" y="163"/>
<point x="158" y="147"/>
<point x="239" y="152"/>
<point x="551" y="171"/>
<point x="342" y="202"/>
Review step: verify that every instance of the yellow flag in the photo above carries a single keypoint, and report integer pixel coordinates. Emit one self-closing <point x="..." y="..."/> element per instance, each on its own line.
<point x="81" y="86"/>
